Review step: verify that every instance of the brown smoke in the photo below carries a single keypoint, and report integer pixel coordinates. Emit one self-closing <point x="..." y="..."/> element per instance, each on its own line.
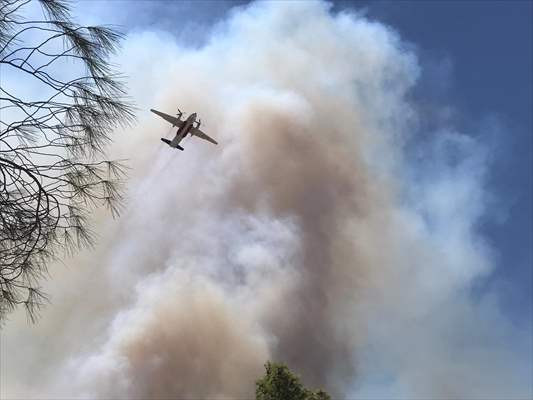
<point x="184" y="341"/>
<point x="291" y="152"/>
<point x="304" y="173"/>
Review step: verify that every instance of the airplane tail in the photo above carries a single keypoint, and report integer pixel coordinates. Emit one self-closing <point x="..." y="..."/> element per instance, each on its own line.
<point x="168" y="142"/>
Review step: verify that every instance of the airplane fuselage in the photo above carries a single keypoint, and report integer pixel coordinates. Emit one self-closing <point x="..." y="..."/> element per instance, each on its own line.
<point x="184" y="130"/>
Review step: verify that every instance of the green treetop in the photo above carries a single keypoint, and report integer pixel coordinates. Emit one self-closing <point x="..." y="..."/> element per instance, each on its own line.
<point x="279" y="383"/>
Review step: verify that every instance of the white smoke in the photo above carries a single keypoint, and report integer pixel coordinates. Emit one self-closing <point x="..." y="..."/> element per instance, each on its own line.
<point x="304" y="237"/>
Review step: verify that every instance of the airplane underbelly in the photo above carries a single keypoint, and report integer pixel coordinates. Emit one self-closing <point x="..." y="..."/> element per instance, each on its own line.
<point x="175" y="141"/>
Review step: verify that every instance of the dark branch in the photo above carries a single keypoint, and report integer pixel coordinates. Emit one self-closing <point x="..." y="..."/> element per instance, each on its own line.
<point x="52" y="164"/>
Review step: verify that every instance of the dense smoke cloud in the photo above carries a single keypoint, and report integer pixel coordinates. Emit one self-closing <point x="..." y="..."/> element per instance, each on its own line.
<point x="304" y="237"/>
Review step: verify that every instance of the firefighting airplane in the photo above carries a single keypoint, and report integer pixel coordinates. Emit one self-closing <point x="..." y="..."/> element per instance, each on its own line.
<point x="184" y="127"/>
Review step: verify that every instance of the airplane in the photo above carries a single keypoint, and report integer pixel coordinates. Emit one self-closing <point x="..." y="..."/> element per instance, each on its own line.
<point x="184" y="127"/>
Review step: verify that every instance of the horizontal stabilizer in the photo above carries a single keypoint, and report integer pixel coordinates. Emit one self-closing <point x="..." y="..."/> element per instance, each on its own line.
<point x="170" y="144"/>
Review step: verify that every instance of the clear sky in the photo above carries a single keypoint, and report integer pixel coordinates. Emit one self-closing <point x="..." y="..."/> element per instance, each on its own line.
<point x="484" y="51"/>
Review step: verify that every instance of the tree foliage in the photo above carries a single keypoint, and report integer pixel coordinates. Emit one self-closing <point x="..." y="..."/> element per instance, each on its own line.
<point x="279" y="383"/>
<point x="60" y="98"/>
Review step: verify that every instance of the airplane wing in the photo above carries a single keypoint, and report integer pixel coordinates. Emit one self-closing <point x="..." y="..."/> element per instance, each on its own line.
<point x="173" y="120"/>
<point x="200" y="134"/>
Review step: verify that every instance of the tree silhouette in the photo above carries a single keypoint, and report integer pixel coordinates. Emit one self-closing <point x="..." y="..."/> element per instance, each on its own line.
<point x="60" y="98"/>
<point x="279" y="383"/>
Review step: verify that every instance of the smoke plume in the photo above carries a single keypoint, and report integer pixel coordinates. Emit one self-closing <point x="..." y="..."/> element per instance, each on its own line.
<point x="304" y="237"/>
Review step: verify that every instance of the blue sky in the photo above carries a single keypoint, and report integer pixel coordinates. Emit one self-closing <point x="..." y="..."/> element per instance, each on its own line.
<point x="484" y="49"/>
